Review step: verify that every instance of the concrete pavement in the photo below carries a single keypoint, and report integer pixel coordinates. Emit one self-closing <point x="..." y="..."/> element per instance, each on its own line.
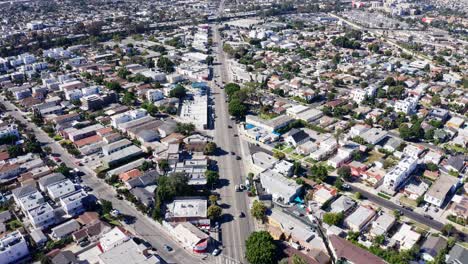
<point x="142" y="226"/>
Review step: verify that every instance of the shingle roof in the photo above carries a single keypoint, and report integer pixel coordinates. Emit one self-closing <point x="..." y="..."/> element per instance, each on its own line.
<point x="347" y="250"/>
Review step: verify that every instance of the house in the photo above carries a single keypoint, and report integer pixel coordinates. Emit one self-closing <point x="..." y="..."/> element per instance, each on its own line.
<point x="281" y="188"/>
<point x="357" y="168"/>
<point x="350" y="253"/>
<point x="187" y="209"/>
<point x="9" y="171"/>
<point x="13" y="248"/>
<point x="457" y="255"/>
<point x="374" y="135"/>
<point x="456" y="163"/>
<point x="413" y="150"/>
<point x="342" y="204"/>
<point x="323" y="194"/>
<point x="455" y="122"/>
<point x="284" y="168"/>
<point x="296" y="137"/>
<point x="459" y="206"/>
<point x="64" y="230"/>
<point x="60" y="189"/>
<point x="286" y="227"/>
<point x="116" y="236"/>
<point x="433" y="157"/>
<point x="131" y="174"/>
<point x="382" y="224"/>
<point x="91" y="231"/>
<point x="432" y="246"/>
<point x="191" y="237"/>
<point x="359" y="218"/>
<point x="306" y="148"/>
<point x="405" y="237"/>
<point x="64" y="257"/>
<point x="439" y="191"/>
<point x="146" y="179"/>
<point x="143" y="195"/>
<point x="128" y="252"/>
<point x="195" y="142"/>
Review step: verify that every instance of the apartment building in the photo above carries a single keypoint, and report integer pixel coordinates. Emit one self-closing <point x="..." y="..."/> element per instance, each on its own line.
<point x="398" y="174"/>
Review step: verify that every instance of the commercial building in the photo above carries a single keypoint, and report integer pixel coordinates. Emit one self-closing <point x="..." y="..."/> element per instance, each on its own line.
<point x="270" y="125"/>
<point x="188" y="209"/>
<point x="128" y="252"/>
<point x="191" y="237"/>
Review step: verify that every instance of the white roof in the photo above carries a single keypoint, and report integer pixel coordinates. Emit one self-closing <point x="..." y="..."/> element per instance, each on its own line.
<point x="196" y="207"/>
<point x="278" y="185"/>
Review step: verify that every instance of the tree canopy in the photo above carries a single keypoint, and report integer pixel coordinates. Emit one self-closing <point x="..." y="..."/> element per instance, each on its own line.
<point x="260" y="248"/>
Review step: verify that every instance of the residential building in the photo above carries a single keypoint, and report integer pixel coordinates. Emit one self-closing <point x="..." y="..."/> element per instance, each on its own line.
<point x="116" y="236"/>
<point x="405" y="237"/>
<point x="347" y="251"/>
<point x="342" y="204"/>
<point x="64" y="230"/>
<point x="281" y="188"/>
<point x="59" y="189"/>
<point x="441" y="188"/>
<point x="406" y="106"/>
<point x="73" y="203"/>
<point x="127" y="116"/>
<point x="42" y="216"/>
<point x="382" y="224"/>
<point x="398" y="174"/>
<point x="359" y="218"/>
<point x="296" y="137"/>
<point x="457" y="255"/>
<point x="13" y="247"/>
<point x="432" y="246"/>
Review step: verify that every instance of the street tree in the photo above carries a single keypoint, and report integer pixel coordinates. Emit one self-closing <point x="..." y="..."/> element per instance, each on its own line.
<point x="210" y="148"/>
<point x="237" y="108"/>
<point x="258" y="210"/>
<point x="344" y="172"/>
<point x="214" y="212"/>
<point x="333" y="218"/>
<point x="178" y="92"/>
<point x="260" y="248"/>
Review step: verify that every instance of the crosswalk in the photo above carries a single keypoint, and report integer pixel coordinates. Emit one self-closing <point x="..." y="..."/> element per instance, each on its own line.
<point x="223" y="259"/>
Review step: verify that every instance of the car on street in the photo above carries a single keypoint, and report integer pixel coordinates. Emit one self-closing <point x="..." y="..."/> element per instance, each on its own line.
<point x="216" y="252"/>
<point x="167" y="248"/>
<point x="428" y="216"/>
<point x="238" y="158"/>
<point x="87" y="188"/>
<point x="241" y="215"/>
<point x="233" y="153"/>
<point x="229" y="126"/>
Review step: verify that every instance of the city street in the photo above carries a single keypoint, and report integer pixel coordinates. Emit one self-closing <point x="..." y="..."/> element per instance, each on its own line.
<point x="142" y="226"/>
<point x="235" y="229"/>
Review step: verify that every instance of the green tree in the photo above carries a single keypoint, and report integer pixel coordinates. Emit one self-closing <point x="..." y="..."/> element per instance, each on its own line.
<point x="345" y="172"/>
<point x="165" y="64"/>
<point x="258" y="210"/>
<point x="14" y="151"/>
<point x="129" y="98"/>
<point x="178" y="92"/>
<point x="357" y="195"/>
<point x="185" y="128"/>
<point x="339" y="183"/>
<point x="213" y="199"/>
<point x="405" y="132"/>
<point x="319" y="172"/>
<point x="210" y="148"/>
<point x="353" y="236"/>
<point x="448" y="229"/>
<point x="146" y="165"/>
<point x="214" y="212"/>
<point x="432" y="167"/>
<point x="231" y="88"/>
<point x="237" y="108"/>
<point x="115" y="86"/>
<point x="212" y="177"/>
<point x="163" y="165"/>
<point x="260" y="248"/>
<point x="333" y="218"/>
<point x="106" y="206"/>
<point x="279" y="155"/>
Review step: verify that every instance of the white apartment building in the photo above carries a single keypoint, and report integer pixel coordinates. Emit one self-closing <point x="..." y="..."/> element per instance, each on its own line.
<point x="400" y="172"/>
<point x="360" y="94"/>
<point x="154" y="95"/>
<point x="13" y="247"/>
<point x="7" y="130"/>
<point x="127" y="116"/>
<point x="41" y="217"/>
<point x="407" y="106"/>
<point x="72" y="204"/>
<point x="59" y="189"/>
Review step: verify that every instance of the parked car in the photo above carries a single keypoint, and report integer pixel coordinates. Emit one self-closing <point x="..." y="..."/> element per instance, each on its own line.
<point x="238" y="158"/>
<point x="216" y="252"/>
<point x="84" y="243"/>
<point x="167" y="248"/>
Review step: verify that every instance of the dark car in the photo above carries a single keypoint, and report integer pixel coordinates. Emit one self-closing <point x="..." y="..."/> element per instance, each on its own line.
<point x="229" y="126"/>
<point x="167" y="248"/>
<point x="241" y="215"/>
<point x="87" y="188"/>
<point x="238" y="158"/>
<point x="84" y="243"/>
<point x="233" y="153"/>
<point x="428" y="216"/>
